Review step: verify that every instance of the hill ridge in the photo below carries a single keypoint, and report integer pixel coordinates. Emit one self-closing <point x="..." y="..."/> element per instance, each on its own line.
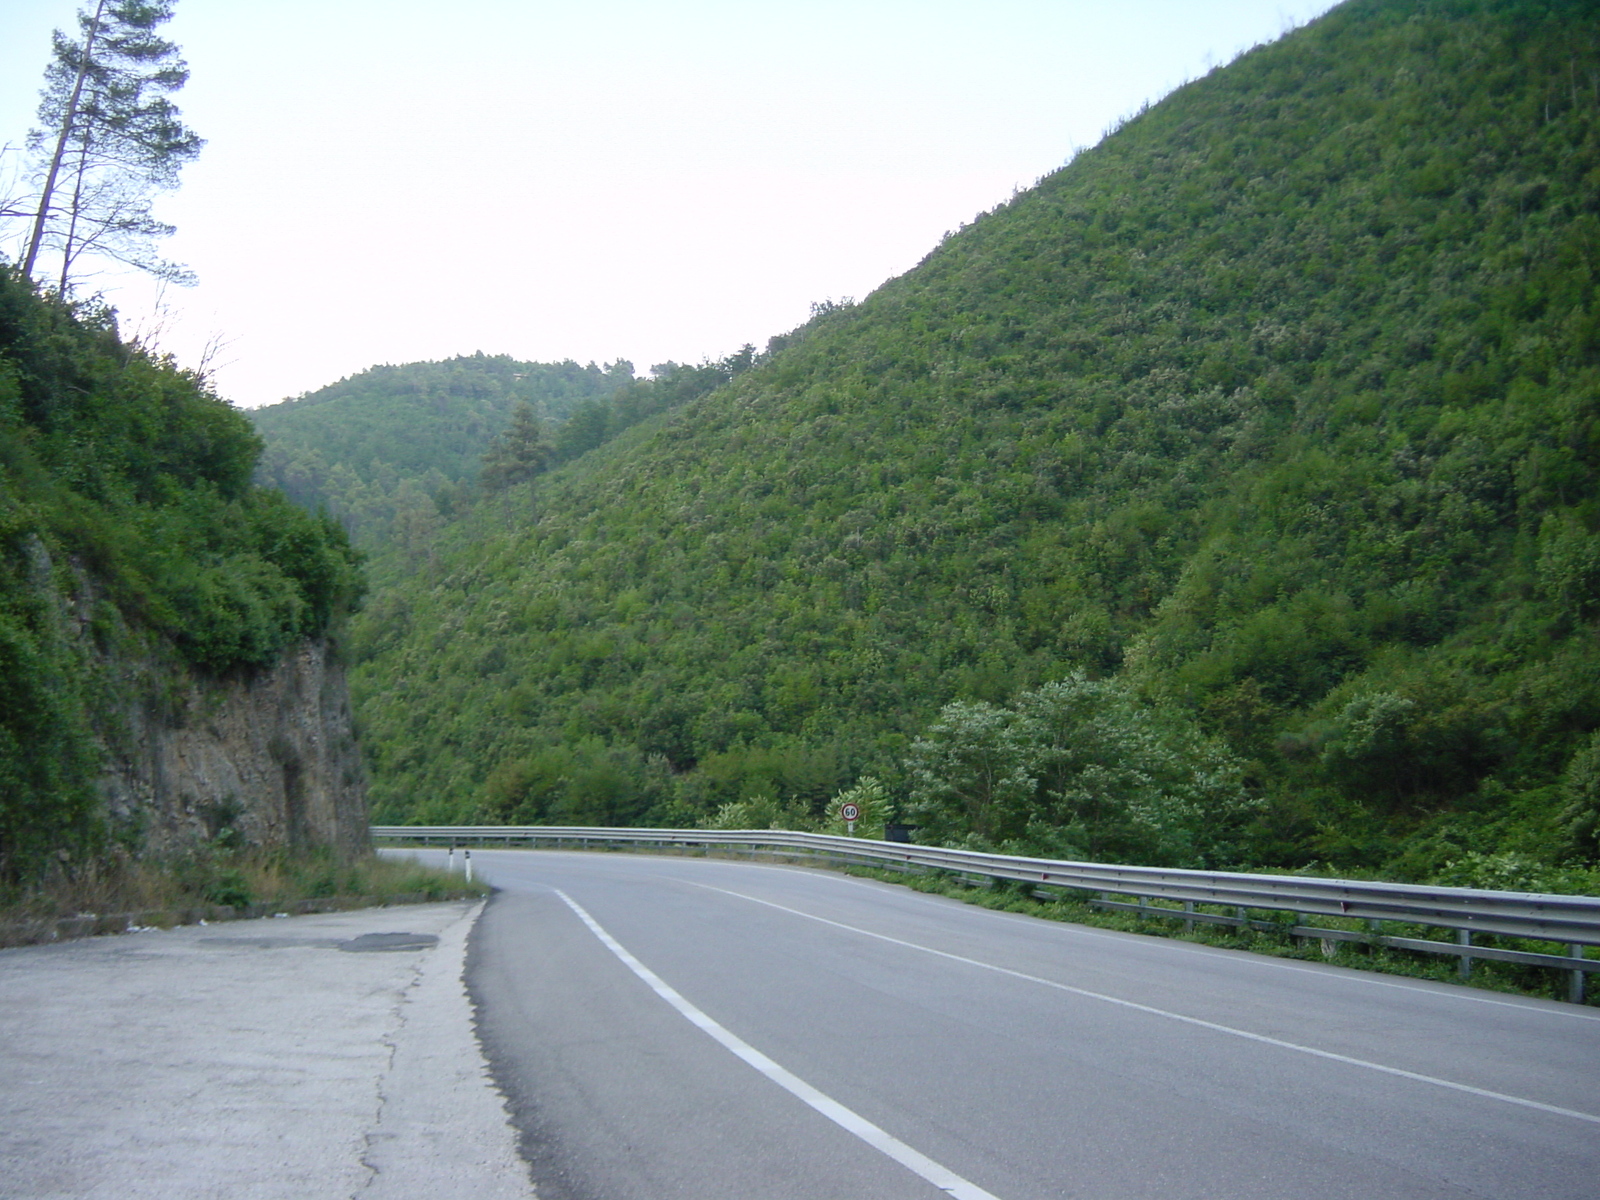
<point x="1276" y="408"/>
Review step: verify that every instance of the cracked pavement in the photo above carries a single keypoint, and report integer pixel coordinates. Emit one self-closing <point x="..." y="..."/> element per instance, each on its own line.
<point x="304" y="1057"/>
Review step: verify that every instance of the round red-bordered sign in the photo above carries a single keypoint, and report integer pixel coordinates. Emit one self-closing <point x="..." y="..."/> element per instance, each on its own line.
<point x="850" y="812"/>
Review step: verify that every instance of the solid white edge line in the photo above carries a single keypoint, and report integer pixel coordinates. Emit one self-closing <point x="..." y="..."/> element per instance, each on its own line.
<point x="1349" y="976"/>
<point x="847" y="1119"/>
<point x="1262" y="1038"/>
<point x="1353" y="976"/>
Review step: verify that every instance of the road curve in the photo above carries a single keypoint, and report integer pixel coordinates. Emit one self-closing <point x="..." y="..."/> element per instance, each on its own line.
<point x="673" y="1027"/>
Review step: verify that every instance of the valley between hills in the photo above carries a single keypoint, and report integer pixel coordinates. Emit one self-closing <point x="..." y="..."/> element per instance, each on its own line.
<point x="1228" y="499"/>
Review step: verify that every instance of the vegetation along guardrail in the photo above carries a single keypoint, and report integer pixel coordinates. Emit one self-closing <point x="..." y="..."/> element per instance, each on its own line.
<point x="1573" y="921"/>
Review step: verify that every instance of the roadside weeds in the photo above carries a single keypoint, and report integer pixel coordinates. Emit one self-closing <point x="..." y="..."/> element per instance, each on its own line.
<point x="124" y="896"/>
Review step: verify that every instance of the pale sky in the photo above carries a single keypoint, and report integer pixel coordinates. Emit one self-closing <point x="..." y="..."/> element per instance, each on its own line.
<point x="394" y="181"/>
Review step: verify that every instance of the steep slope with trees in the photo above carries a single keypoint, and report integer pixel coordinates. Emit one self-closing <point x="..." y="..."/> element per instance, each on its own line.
<point x="1265" y="433"/>
<point x="148" y="593"/>
<point x="391" y="449"/>
<point x="395" y="451"/>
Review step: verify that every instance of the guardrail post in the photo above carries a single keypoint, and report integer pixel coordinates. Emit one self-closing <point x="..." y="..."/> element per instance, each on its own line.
<point x="1464" y="938"/>
<point x="1575" y="984"/>
<point x="1188" y="924"/>
<point x="1244" y="918"/>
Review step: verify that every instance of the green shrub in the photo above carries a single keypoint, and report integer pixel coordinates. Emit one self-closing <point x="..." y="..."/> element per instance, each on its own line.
<point x="128" y="526"/>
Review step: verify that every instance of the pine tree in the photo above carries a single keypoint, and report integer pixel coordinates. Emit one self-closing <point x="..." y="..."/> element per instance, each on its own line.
<point x="109" y="137"/>
<point x="519" y="453"/>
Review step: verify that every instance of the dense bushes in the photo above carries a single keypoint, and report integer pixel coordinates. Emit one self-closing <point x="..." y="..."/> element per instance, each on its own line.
<point x="1079" y="769"/>
<point x="47" y="758"/>
<point x="273" y="573"/>
<point x="128" y="526"/>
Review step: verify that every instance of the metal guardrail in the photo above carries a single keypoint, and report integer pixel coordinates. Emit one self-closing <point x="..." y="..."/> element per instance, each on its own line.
<point x="1570" y="920"/>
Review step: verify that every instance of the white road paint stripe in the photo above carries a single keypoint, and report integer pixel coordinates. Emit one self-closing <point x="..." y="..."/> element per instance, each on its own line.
<point x="1345" y="975"/>
<point x="1262" y="1038"/>
<point x="941" y="1177"/>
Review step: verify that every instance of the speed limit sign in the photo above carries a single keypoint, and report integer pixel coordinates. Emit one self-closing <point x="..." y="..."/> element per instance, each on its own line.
<point x="850" y="812"/>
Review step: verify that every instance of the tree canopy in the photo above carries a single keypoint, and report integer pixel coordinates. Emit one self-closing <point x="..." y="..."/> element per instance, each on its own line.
<point x="519" y="451"/>
<point x="394" y="449"/>
<point x="109" y="136"/>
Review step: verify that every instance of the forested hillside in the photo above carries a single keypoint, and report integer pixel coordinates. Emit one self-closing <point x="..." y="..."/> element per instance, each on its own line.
<point x="395" y="451"/>
<point x="130" y="537"/>
<point x="1228" y="498"/>
<point x="399" y="442"/>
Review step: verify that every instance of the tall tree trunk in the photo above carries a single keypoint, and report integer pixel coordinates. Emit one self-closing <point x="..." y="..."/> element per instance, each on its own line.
<point x="68" y="119"/>
<point x="68" y="247"/>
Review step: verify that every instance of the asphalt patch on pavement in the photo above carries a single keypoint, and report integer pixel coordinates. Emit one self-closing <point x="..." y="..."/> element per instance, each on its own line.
<point x="367" y="943"/>
<point x="389" y="941"/>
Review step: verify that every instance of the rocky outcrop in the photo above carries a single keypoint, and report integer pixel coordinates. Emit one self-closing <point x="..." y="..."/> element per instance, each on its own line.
<point x="268" y="758"/>
<point x="262" y="758"/>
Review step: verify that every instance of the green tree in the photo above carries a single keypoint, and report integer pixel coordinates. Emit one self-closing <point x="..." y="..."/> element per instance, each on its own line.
<point x="969" y="772"/>
<point x="1078" y="768"/>
<point x="519" y="453"/>
<point x="1115" y="777"/>
<point x="109" y="136"/>
<point x="1580" y="786"/>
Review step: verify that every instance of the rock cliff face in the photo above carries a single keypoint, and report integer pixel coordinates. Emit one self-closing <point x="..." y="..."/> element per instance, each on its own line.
<point x="269" y="755"/>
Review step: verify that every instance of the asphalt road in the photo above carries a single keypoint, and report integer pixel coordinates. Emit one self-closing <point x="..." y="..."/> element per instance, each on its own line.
<point x="669" y="1027"/>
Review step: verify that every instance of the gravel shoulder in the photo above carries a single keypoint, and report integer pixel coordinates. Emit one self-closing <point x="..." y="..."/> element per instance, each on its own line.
<point x="303" y="1057"/>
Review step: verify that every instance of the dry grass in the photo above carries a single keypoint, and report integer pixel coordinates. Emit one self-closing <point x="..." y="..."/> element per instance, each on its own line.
<point x="207" y="879"/>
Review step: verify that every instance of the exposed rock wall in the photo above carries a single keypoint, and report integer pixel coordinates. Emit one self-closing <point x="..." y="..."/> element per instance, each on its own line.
<point x="270" y="755"/>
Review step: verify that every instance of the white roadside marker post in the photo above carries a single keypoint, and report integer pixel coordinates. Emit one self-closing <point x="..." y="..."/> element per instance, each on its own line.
<point x="466" y="860"/>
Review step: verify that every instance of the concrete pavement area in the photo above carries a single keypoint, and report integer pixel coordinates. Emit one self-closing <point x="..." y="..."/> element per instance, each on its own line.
<point x="304" y="1057"/>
